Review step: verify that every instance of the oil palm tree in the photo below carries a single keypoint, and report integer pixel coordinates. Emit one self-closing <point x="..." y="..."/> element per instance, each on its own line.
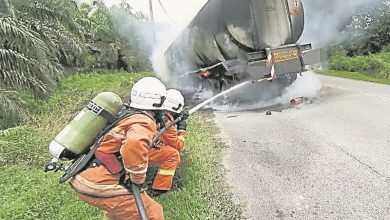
<point x="34" y="35"/>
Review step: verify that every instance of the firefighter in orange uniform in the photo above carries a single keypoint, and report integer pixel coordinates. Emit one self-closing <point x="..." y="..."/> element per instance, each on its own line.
<point x="123" y="154"/>
<point x="172" y="142"/>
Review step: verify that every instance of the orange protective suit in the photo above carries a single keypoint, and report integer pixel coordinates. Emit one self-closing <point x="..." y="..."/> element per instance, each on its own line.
<point x="167" y="155"/>
<point x="98" y="187"/>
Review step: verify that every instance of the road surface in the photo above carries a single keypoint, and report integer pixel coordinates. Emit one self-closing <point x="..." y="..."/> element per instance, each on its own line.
<point x="329" y="159"/>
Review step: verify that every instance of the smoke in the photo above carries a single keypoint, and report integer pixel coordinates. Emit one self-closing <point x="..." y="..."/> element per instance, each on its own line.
<point x="137" y="32"/>
<point x="164" y="37"/>
<point x="325" y="21"/>
<point x="152" y="40"/>
<point x="307" y="86"/>
<point x="174" y="74"/>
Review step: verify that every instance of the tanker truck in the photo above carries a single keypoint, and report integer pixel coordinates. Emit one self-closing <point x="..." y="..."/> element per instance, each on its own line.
<point x="230" y="41"/>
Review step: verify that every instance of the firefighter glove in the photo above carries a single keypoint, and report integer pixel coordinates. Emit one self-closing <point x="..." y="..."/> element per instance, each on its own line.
<point x="128" y="185"/>
<point x="182" y="125"/>
<point x="184" y="115"/>
<point x="165" y="118"/>
<point x="139" y="186"/>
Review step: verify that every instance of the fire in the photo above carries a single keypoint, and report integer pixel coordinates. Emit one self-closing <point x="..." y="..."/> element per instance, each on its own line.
<point x="296" y="101"/>
<point x="205" y="74"/>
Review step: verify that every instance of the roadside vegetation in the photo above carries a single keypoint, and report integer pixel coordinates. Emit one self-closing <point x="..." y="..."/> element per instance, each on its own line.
<point x="355" y="75"/>
<point x="374" y="65"/>
<point x="42" y="41"/>
<point x="26" y="192"/>
<point x="365" y="55"/>
<point x="56" y="55"/>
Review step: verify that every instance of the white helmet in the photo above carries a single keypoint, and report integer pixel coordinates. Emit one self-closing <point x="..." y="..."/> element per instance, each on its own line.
<point x="148" y="93"/>
<point x="174" y="101"/>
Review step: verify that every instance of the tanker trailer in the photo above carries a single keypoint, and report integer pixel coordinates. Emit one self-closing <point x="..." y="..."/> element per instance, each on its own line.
<point x="229" y="41"/>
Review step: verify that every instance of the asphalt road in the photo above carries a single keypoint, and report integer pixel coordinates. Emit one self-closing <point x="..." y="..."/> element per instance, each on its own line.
<point x="327" y="159"/>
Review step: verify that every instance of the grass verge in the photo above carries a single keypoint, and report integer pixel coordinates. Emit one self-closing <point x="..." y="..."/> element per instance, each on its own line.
<point x="376" y="65"/>
<point x="356" y="76"/>
<point x="205" y="195"/>
<point x="26" y="192"/>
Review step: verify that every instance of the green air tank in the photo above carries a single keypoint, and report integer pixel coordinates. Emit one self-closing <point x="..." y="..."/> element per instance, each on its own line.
<point x="78" y="135"/>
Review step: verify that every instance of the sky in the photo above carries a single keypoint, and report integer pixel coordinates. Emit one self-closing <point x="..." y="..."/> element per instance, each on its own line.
<point x="180" y="12"/>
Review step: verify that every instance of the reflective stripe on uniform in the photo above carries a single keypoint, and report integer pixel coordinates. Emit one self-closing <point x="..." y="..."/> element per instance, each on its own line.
<point x="85" y="187"/>
<point x="117" y="133"/>
<point x="137" y="172"/>
<point x="182" y="138"/>
<point x="166" y="172"/>
<point x="96" y="186"/>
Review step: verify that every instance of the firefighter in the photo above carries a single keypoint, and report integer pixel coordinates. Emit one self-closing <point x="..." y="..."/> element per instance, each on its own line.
<point x="167" y="153"/>
<point x="122" y="156"/>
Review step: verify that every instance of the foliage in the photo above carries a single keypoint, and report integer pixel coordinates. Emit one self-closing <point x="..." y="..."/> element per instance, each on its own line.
<point x="96" y="23"/>
<point x="374" y="64"/>
<point x="112" y="37"/>
<point x="368" y="52"/>
<point x="12" y="108"/>
<point x="137" y="32"/>
<point x="372" y="30"/>
<point x="40" y="38"/>
<point x="32" y="34"/>
<point x="36" y="195"/>
<point x="356" y="76"/>
<point x="27" y="193"/>
<point x="204" y="194"/>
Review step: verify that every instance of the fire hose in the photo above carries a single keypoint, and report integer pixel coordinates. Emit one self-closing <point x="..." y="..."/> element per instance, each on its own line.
<point x="138" y="202"/>
<point x="180" y="118"/>
<point x="135" y="189"/>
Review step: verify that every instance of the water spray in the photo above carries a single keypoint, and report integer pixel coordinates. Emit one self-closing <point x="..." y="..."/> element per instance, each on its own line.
<point x="200" y="105"/>
<point x="193" y="110"/>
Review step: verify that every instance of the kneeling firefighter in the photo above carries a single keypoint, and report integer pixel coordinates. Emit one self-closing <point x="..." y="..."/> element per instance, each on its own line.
<point x="167" y="152"/>
<point x="122" y="158"/>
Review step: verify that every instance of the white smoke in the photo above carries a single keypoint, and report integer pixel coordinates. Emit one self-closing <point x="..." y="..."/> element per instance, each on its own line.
<point x="154" y="39"/>
<point x="324" y="20"/>
<point x="164" y="38"/>
<point x="166" y="35"/>
<point x="307" y="86"/>
<point x="178" y="78"/>
<point x="137" y="33"/>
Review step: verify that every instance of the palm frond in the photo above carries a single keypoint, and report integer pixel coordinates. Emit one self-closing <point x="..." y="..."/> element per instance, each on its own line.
<point x="11" y="29"/>
<point x="16" y="70"/>
<point x="18" y="36"/>
<point x="65" y="38"/>
<point x="51" y="11"/>
<point x="41" y="10"/>
<point x="12" y="109"/>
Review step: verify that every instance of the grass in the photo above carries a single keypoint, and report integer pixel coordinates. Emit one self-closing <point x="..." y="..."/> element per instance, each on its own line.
<point x="26" y="192"/>
<point x="356" y="76"/>
<point x="204" y="195"/>
<point x="376" y="65"/>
